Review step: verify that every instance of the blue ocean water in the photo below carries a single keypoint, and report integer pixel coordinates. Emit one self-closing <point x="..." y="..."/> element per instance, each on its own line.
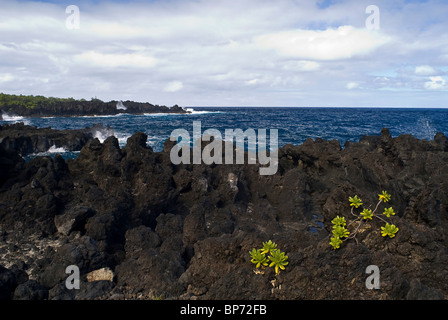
<point x="294" y="125"/>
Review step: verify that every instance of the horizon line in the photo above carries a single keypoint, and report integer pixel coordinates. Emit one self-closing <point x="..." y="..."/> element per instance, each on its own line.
<point x="323" y="107"/>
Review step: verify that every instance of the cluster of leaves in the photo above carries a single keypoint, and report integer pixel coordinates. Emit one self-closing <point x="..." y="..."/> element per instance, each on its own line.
<point x="340" y="228"/>
<point x="277" y="258"/>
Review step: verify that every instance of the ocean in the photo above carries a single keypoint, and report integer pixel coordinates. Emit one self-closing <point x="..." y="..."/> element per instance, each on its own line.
<point x="294" y="125"/>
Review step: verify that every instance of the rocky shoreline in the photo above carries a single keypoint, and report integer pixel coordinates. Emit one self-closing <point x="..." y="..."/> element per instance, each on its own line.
<point x="27" y="140"/>
<point x="139" y="227"/>
<point x="39" y="106"/>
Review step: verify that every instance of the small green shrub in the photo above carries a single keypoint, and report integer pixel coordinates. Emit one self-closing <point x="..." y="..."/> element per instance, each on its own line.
<point x="277" y="258"/>
<point x="389" y="230"/>
<point x="258" y="258"/>
<point x="269" y="246"/>
<point x="340" y="228"/>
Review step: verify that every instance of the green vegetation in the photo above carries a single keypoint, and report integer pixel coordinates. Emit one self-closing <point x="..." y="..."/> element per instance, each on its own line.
<point x="278" y="260"/>
<point x="355" y="202"/>
<point x="258" y="258"/>
<point x="268" y="246"/>
<point x="30" y="102"/>
<point x="340" y="228"/>
<point x="277" y="257"/>
<point x="389" y="230"/>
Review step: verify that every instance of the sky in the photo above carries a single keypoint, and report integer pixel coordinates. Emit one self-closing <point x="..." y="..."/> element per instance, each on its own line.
<point x="304" y="53"/>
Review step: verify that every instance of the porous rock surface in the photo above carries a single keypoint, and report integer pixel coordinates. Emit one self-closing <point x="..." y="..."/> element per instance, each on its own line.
<point x="185" y="231"/>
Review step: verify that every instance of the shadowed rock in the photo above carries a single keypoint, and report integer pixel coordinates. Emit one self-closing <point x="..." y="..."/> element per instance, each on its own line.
<point x="185" y="231"/>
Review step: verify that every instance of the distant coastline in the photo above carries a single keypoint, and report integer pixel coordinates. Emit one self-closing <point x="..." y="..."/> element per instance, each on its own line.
<point x="40" y="106"/>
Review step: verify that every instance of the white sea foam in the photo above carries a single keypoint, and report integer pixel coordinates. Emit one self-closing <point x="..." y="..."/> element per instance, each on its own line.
<point x="161" y="114"/>
<point x="103" y="116"/>
<point x="14" y="119"/>
<point x="7" y="117"/>
<point x="103" y="135"/>
<point x="122" y="138"/>
<point x="190" y="111"/>
<point x="54" y="149"/>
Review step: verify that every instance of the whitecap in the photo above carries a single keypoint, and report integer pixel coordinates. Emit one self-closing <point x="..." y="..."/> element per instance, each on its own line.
<point x="14" y="119"/>
<point x="192" y="111"/>
<point x="161" y="114"/>
<point x="54" y="149"/>
<point x="101" y="116"/>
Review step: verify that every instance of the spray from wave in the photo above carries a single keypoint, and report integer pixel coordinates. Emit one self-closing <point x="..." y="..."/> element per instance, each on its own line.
<point x="100" y="136"/>
<point x="13" y="118"/>
<point x="54" y="149"/>
<point x="425" y="129"/>
<point x="103" y="134"/>
<point x="121" y="106"/>
<point x="100" y="132"/>
<point x="122" y="138"/>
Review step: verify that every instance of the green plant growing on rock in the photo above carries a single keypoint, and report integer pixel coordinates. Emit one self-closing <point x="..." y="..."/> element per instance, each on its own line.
<point x="367" y="214"/>
<point x="355" y="202"/>
<point x="340" y="228"/>
<point x="277" y="258"/>
<point x="335" y="242"/>
<point x="258" y="258"/>
<point x="339" y="232"/>
<point x="389" y="230"/>
<point x="269" y="246"/>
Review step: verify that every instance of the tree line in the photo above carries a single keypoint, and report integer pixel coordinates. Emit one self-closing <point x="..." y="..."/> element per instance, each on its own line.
<point x="31" y="102"/>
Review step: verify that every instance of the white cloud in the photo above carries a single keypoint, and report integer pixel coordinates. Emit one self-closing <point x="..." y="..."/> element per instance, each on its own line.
<point x="174" y="86"/>
<point x="6" y="77"/>
<point x="132" y="60"/>
<point x="114" y="30"/>
<point x="351" y="85"/>
<point x="301" y="65"/>
<point x="436" y="83"/>
<point x="331" y="44"/>
<point x="232" y="52"/>
<point x="425" y="70"/>
<point x="253" y="81"/>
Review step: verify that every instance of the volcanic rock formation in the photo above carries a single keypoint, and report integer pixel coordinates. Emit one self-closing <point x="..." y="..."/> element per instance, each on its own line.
<point x="185" y="231"/>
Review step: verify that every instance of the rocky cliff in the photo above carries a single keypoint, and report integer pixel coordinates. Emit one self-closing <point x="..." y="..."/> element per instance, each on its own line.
<point x="27" y="140"/>
<point x="159" y="230"/>
<point x="39" y="106"/>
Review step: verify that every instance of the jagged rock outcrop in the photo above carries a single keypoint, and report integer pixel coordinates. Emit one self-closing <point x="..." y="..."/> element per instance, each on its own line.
<point x="185" y="231"/>
<point x="27" y="140"/>
<point x="49" y="107"/>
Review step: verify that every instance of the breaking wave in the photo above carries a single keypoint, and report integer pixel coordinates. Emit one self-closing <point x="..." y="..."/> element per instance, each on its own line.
<point x="192" y="111"/>
<point x="54" y="149"/>
<point x="13" y="118"/>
